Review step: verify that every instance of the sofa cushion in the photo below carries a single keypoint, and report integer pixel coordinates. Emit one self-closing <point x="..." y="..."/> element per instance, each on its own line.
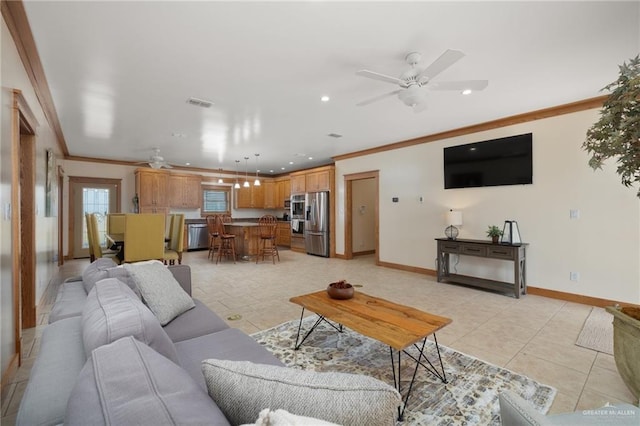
<point x="230" y="344"/>
<point x="128" y="383"/>
<point x="59" y="361"/>
<point x="69" y="301"/>
<point x="113" y="311"/>
<point x="96" y="271"/>
<point x="160" y="290"/>
<point x="195" y="322"/>
<point x="243" y="389"/>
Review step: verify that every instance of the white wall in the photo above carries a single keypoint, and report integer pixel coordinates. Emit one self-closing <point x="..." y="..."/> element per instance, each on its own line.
<point x="603" y="245"/>
<point x="13" y="76"/>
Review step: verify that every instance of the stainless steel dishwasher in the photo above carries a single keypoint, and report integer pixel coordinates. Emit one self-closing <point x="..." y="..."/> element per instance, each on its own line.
<point x="198" y="236"/>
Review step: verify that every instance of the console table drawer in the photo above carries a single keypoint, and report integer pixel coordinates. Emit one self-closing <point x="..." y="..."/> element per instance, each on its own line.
<point x="500" y="253"/>
<point x="450" y="247"/>
<point x="473" y="250"/>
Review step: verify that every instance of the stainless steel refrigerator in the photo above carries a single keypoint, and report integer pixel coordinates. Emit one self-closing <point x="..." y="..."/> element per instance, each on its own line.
<point x="316" y="223"/>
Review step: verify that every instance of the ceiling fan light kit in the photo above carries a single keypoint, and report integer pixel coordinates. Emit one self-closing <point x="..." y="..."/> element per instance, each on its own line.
<point x="257" y="181"/>
<point x="237" y="185"/>
<point x="412" y="81"/>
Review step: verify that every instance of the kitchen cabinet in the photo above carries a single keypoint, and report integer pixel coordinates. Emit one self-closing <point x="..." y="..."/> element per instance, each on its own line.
<point x="185" y="191"/>
<point x="298" y="184"/>
<point x="271" y="200"/>
<point x="151" y="187"/>
<point x="154" y="209"/>
<point x="283" y="192"/>
<point x="318" y="181"/>
<point x="249" y="198"/>
<point x="283" y="234"/>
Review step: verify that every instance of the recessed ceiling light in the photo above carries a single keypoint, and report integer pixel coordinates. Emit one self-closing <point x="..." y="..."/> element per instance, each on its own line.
<point x="466" y="92"/>
<point x="334" y="135"/>
<point x="282" y="168"/>
<point x="325" y="98"/>
<point x="290" y="162"/>
<point x="270" y="171"/>
<point x="187" y="164"/>
<point x="310" y="158"/>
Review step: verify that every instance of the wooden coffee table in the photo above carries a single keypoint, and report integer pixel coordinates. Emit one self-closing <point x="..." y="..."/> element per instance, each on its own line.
<point x="395" y="325"/>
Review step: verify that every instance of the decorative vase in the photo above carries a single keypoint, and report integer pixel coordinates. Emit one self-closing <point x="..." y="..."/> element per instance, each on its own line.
<point x="626" y="348"/>
<point x="494" y="239"/>
<point x="340" y="290"/>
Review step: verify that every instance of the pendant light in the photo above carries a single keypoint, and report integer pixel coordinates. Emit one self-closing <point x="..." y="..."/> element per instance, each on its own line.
<point x="257" y="181"/>
<point x="246" y="173"/>
<point x="220" y="177"/>
<point x="237" y="185"/>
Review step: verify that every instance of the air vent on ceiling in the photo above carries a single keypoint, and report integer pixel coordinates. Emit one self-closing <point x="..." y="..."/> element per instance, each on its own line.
<point x="334" y="135"/>
<point x="199" y="102"/>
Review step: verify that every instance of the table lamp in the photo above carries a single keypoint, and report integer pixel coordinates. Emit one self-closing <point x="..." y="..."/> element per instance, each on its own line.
<point x="510" y="233"/>
<point x="453" y="219"/>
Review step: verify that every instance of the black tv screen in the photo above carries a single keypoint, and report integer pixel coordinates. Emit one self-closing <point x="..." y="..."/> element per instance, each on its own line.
<point x="504" y="161"/>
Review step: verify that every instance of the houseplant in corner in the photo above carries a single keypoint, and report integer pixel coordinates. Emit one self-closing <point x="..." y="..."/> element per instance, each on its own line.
<point x="617" y="135"/>
<point x="494" y="232"/>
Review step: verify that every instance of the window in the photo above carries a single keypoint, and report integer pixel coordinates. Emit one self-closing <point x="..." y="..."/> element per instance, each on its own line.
<point x="216" y="200"/>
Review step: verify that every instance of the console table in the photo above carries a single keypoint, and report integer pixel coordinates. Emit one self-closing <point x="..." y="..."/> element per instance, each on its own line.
<point x="481" y="248"/>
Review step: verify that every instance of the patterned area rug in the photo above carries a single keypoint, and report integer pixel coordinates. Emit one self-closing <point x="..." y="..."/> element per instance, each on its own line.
<point x="469" y="398"/>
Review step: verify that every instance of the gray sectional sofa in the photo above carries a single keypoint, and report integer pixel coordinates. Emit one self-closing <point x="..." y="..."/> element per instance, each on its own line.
<point x="108" y="358"/>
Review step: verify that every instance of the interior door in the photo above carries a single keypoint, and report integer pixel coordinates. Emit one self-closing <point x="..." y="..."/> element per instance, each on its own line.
<point x="93" y="196"/>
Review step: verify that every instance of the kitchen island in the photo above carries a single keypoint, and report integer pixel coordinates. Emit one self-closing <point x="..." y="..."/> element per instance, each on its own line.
<point x="247" y="238"/>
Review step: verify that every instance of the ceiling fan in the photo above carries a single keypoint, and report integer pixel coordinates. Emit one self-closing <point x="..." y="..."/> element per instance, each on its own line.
<point x="156" y="161"/>
<point x="415" y="80"/>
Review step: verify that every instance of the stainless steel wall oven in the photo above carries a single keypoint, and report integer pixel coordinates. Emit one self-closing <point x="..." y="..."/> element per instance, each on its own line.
<point x="297" y="215"/>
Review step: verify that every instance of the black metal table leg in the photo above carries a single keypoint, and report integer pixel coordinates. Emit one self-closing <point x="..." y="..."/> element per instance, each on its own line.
<point x="316" y="324"/>
<point x="431" y="368"/>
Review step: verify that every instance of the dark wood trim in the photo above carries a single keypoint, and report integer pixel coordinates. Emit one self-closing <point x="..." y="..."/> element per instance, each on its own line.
<point x="27" y="214"/>
<point x="489" y="125"/>
<point x="60" y="216"/>
<point x="16" y="18"/>
<point x="424" y="271"/>
<point x="576" y="298"/>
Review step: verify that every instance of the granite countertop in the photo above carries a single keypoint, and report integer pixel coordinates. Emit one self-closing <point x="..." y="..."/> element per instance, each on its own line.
<point x="235" y="221"/>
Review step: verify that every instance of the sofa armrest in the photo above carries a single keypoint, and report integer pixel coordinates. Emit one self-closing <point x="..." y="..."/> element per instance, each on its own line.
<point x="182" y="273"/>
<point x="71" y="279"/>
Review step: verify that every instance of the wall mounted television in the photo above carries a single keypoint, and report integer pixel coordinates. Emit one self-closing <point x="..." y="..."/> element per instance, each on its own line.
<point x="495" y="162"/>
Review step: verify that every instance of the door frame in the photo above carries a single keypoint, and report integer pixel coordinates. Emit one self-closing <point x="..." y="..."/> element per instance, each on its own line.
<point x="348" y="226"/>
<point x="89" y="180"/>
<point x="23" y="141"/>
<point x="60" y="216"/>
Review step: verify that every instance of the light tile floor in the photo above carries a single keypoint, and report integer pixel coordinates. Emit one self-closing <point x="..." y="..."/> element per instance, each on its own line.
<point x="533" y="335"/>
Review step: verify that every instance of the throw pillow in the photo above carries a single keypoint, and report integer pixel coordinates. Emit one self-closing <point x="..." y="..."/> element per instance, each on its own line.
<point x="242" y="389"/>
<point x="160" y="290"/>
<point x="285" y="418"/>
<point x="128" y="383"/>
<point x="122" y="274"/>
<point x="95" y="272"/>
<point x="113" y="311"/>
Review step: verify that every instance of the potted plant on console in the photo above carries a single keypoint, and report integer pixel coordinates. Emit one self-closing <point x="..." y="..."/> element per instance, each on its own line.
<point x="494" y="232"/>
<point x="616" y="135"/>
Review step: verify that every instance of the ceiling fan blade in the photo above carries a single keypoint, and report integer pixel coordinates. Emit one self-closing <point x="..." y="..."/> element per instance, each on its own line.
<point x="459" y="85"/>
<point x="378" y="76"/>
<point x="445" y="60"/>
<point x="377" y="98"/>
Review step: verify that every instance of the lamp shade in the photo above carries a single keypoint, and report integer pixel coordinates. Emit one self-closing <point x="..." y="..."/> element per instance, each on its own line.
<point x="454" y="218"/>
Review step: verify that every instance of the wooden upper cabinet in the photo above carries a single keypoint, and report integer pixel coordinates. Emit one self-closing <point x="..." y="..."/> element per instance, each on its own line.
<point x="271" y="198"/>
<point x="151" y="187"/>
<point x="318" y="181"/>
<point x="298" y="184"/>
<point x="249" y="198"/>
<point x="185" y="191"/>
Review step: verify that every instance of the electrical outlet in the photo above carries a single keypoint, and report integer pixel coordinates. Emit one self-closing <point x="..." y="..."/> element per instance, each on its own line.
<point x="574" y="276"/>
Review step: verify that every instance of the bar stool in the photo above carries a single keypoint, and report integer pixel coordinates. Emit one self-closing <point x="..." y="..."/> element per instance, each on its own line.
<point x="212" y="229"/>
<point x="227" y="241"/>
<point x="267" y="245"/>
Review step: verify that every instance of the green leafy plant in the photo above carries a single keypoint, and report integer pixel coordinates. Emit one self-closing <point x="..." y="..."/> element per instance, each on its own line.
<point x="617" y="133"/>
<point x="494" y="231"/>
